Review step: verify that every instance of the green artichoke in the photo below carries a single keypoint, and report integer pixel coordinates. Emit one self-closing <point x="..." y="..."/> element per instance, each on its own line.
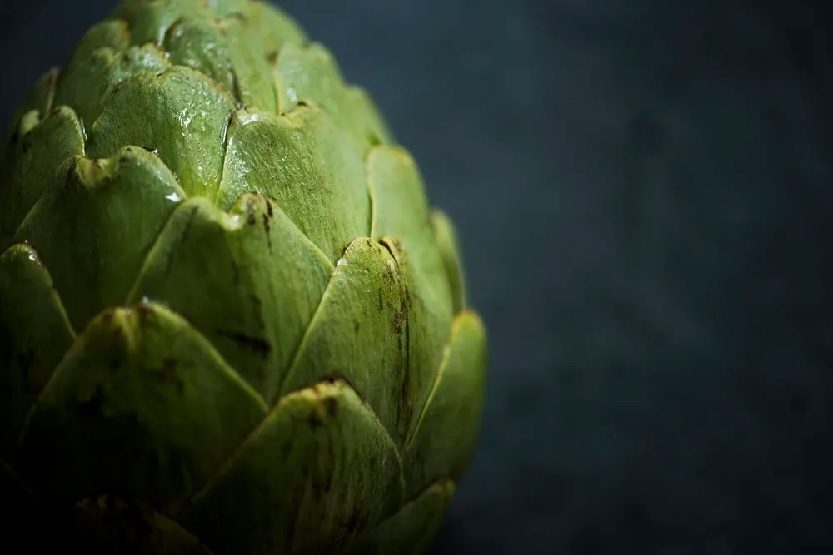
<point x="229" y="322"/>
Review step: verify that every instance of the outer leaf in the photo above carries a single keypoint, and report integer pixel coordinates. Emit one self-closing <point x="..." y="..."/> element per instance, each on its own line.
<point x="179" y="113"/>
<point x="89" y="65"/>
<point x="248" y="280"/>
<point x="400" y="216"/>
<point x="359" y="333"/>
<point x="400" y="211"/>
<point x="37" y="158"/>
<point x="273" y="27"/>
<point x="446" y="238"/>
<point x="113" y="209"/>
<point x="88" y="81"/>
<point x="440" y="450"/>
<point x="319" y="470"/>
<point x="309" y="74"/>
<point x="113" y="34"/>
<point x="150" y="20"/>
<point x="42" y="94"/>
<point x="362" y="117"/>
<point x="39" y="100"/>
<point x="227" y="52"/>
<point x="303" y="162"/>
<point x="34" y="334"/>
<point x="227" y="7"/>
<point x="411" y="530"/>
<point x="143" y="383"/>
<point x="254" y="85"/>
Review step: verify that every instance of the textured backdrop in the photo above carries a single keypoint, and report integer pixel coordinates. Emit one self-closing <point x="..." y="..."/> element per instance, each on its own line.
<point x="645" y="197"/>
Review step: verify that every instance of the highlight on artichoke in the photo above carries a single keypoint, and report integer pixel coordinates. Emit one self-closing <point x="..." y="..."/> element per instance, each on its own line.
<point x="229" y="321"/>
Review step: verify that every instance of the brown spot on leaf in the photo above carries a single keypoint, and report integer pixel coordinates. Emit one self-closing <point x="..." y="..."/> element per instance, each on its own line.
<point x="250" y="211"/>
<point x="168" y="375"/>
<point x="331" y="404"/>
<point x="398" y="322"/>
<point x="107" y="316"/>
<point x="400" y="317"/>
<point x="357" y="521"/>
<point x="314" y="420"/>
<point x="144" y="311"/>
<point x="70" y="172"/>
<point x="91" y="404"/>
<point x="256" y="344"/>
<point x="266" y="229"/>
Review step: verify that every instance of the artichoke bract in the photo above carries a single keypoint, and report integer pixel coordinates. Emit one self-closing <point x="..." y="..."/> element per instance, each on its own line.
<point x="229" y="321"/>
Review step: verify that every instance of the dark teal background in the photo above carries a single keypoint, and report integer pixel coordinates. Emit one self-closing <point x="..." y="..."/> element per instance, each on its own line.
<point x="644" y="191"/>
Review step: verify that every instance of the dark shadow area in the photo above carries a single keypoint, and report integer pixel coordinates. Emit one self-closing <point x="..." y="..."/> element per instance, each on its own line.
<point x="644" y="192"/>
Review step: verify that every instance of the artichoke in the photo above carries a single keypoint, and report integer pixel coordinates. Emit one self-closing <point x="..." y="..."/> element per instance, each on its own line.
<point x="229" y="322"/>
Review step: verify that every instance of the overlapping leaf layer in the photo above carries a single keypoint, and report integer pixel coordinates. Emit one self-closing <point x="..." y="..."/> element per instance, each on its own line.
<point x="229" y="322"/>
